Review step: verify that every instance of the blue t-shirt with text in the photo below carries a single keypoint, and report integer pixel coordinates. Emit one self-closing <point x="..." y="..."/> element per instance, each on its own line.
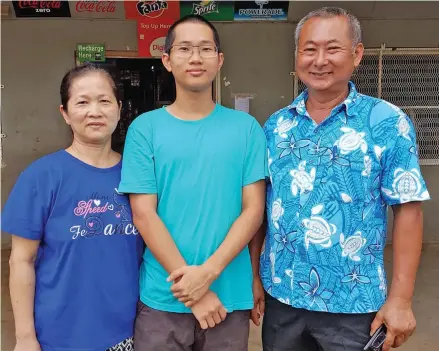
<point x="87" y="265"/>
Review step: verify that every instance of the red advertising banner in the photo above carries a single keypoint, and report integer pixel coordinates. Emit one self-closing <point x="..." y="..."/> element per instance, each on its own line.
<point x="151" y="37"/>
<point x="156" y="11"/>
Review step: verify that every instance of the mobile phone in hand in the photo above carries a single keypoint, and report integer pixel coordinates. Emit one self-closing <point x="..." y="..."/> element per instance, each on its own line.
<point x="377" y="340"/>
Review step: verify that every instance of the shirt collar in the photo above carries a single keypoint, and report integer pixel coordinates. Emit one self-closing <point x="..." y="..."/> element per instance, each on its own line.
<point x="349" y="103"/>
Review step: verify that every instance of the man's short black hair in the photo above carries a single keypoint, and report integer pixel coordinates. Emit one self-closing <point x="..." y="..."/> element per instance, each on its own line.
<point x="170" y="37"/>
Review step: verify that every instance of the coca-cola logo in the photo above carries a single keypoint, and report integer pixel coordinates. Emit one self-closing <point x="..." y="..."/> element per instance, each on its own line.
<point x="41" y="8"/>
<point x="39" y="4"/>
<point x="152" y="9"/>
<point x="96" y="6"/>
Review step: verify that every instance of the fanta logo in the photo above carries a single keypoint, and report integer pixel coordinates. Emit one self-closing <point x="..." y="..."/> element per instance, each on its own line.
<point x="152" y="9"/>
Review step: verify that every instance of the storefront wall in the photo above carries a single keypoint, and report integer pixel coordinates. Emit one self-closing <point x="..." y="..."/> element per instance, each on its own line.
<point x="37" y="53"/>
<point x="259" y="59"/>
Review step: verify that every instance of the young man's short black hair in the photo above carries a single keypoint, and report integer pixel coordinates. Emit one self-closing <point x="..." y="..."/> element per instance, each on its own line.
<point x="170" y="37"/>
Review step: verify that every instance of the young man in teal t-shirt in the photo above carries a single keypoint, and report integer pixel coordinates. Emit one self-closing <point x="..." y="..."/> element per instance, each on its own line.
<point x="195" y="172"/>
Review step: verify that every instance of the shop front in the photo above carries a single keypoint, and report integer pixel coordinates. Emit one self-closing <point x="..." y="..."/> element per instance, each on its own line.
<point x="41" y="40"/>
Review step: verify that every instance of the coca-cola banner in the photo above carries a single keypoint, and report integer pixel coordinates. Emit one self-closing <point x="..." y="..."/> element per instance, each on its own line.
<point x="97" y="9"/>
<point x="41" y="8"/>
<point x="152" y="11"/>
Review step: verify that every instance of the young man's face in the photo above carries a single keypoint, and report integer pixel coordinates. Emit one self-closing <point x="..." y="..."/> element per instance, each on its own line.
<point x="194" y="59"/>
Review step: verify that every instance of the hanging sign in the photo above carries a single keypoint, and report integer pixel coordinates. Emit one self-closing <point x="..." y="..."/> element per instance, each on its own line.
<point x="90" y="52"/>
<point x="41" y="8"/>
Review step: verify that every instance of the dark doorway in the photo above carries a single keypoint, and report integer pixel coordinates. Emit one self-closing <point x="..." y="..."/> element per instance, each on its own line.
<point x="144" y="85"/>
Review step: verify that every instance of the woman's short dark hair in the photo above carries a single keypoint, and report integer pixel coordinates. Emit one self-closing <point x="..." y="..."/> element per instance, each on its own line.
<point x="170" y="37"/>
<point x="81" y="71"/>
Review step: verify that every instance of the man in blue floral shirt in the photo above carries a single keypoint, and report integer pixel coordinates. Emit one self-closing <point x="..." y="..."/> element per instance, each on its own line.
<point x="337" y="159"/>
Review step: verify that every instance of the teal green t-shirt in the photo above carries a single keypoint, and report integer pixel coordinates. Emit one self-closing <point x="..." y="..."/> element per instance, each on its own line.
<point x="197" y="169"/>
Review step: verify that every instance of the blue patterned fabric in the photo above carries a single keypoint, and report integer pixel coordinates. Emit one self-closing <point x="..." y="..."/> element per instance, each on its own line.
<point x="330" y="185"/>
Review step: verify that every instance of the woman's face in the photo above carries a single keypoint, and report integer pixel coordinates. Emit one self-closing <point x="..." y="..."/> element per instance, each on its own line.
<point x="92" y="109"/>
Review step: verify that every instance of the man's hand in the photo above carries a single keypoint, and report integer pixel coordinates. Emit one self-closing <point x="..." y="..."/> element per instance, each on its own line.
<point x="209" y="311"/>
<point x="398" y="317"/>
<point x="259" y="301"/>
<point x="191" y="283"/>
<point x="27" y="344"/>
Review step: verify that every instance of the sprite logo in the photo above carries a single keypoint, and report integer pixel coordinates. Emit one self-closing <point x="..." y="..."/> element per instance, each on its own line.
<point x="205" y="7"/>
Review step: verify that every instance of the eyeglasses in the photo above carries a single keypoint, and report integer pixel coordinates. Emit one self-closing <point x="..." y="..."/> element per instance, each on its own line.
<point x="187" y="51"/>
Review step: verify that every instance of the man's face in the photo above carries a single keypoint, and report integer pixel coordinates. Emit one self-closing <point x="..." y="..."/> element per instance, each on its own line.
<point x="326" y="57"/>
<point x="194" y="60"/>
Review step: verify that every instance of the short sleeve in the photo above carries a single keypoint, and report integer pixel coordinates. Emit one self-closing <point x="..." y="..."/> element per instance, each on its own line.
<point x="402" y="180"/>
<point x="255" y="163"/>
<point x="27" y="209"/>
<point x="138" y="171"/>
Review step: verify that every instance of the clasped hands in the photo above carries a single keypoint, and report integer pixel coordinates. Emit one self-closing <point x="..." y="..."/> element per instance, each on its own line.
<point x="191" y="287"/>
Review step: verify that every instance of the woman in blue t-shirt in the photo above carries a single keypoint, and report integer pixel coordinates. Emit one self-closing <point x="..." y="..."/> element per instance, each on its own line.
<point x="75" y="251"/>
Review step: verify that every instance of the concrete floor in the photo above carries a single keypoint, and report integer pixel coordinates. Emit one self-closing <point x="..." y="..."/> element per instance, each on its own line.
<point x="425" y="304"/>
